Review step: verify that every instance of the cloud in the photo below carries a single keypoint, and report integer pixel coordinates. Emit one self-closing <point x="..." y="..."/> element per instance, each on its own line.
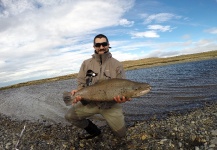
<point x="152" y="32"/>
<point x="41" y="39"/>
<point x="126" y="23"/>
<point x="169" y="49"/>
<point x="212" y="30"/>
<point x="186" y="36"/>
<point x="160" y="18"/>
<point x="150" y="48"/>
<point x="159" y="28"/>
<point x="146" y="34"/>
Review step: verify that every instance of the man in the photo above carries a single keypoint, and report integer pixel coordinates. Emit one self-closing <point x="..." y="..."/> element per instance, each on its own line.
<point x="101" y="66"/>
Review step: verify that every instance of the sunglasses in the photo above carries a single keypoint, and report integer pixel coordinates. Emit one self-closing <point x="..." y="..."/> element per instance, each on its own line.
<point x="99" y="44"/>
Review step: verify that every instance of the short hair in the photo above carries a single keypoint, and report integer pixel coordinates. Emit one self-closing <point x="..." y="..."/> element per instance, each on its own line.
<point x="100" y="36"/>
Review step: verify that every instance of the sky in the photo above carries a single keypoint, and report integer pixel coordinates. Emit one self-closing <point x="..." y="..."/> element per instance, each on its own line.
<point x="49" y="38"/>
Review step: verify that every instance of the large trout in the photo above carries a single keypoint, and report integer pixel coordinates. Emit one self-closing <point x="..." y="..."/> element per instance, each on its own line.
<point x="106" y="90"/>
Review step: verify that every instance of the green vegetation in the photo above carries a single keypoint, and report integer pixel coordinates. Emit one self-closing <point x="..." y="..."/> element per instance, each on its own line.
<point x="133" y="64"/>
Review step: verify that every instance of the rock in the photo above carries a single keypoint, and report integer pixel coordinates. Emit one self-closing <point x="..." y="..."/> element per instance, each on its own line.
<point x="197" y="148"/>
<point x="214" y="141"/>
<point x="8" y="145"/>
<point x="162" y="141"/>
<point x="144" y="136"/>
<point x="214" y="132"/>
<point x="180" y="144"/>
<point x="175" y="132"/>
<point x="211" y="145"/>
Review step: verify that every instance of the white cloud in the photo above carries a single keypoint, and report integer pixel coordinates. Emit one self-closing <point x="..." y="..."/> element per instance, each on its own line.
<point x="126" y="23"/>
<point x="169" y="49"/>
<point x="160" y="17"/>
<point x="10" y="8"/>
<point x="186" y="36"/>
<point x="212" y="30"/>
<point x="150" y="48"/>
<point x="159" y="27"/>
<point x="41" y="39"/>
<point x="146" y="34"/>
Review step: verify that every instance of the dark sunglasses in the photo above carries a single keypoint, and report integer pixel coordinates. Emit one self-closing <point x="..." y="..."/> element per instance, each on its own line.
<point x="99" y="44"/>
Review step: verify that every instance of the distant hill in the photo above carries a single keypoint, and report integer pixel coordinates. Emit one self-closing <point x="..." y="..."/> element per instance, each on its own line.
<point x="150" y="62"/>
<point x="133" y="64"/>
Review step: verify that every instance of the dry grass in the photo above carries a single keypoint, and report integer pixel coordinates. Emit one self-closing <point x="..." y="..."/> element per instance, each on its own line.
<point x="134" y="64"/>
<point x="151" y="62"/>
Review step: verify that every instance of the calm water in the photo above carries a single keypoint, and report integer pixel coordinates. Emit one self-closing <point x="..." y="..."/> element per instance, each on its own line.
<point x="177" y="87"/>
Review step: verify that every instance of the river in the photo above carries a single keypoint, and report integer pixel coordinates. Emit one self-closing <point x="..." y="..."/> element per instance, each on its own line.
<point x="175" y="88"/>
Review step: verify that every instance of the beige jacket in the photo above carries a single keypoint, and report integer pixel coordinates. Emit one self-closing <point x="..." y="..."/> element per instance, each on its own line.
<point x="105" y="66"/>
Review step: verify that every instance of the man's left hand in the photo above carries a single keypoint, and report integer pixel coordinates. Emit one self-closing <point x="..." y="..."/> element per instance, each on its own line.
<point x="122" y="99"/>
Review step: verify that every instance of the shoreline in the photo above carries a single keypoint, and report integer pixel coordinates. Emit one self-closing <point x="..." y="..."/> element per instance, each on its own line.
<point x="196" y="129"/>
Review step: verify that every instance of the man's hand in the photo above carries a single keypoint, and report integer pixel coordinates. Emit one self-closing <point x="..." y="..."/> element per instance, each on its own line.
<point x="77" y="98"/>
<point x="118" y="99"/>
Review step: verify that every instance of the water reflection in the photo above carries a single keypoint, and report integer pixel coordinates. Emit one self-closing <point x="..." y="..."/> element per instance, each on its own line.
<point x="175" y="87"/>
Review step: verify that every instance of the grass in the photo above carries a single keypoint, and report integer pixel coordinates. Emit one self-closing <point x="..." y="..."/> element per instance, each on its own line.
<point x="151" y="62"/>
<point x="132" y="64"/>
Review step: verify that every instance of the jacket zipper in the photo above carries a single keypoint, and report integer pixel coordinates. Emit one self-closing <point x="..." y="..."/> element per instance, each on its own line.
<point x="100" y="67"/>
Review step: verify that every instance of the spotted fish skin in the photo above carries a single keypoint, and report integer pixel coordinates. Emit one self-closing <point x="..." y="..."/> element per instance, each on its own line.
<point x="106" y="90"/>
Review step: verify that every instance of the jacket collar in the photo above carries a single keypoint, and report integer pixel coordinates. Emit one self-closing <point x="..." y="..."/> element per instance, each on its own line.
<point x="102" y="58"/>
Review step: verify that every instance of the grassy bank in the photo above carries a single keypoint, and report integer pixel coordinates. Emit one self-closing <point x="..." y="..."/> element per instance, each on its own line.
<point x="133" y="64"/>
<point x="151" y="62"/>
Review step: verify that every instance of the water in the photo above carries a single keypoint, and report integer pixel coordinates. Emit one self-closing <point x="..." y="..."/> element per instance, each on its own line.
<point x="177" y="87"/>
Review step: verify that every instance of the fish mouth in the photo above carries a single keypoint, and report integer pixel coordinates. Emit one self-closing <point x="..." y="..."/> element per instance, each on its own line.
<point x="143" y="92"/>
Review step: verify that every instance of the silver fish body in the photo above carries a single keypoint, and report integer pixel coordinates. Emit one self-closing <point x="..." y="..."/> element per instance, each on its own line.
<point x="106" y="90"/>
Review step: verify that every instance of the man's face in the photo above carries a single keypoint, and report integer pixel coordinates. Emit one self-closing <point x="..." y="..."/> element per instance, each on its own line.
<point x="101" y="45"/>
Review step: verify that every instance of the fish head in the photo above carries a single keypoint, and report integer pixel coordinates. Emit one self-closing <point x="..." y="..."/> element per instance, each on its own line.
<point x="140" y="89"/>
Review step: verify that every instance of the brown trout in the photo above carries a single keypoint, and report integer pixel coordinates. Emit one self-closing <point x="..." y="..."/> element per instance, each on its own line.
<point x="106" y="90"/>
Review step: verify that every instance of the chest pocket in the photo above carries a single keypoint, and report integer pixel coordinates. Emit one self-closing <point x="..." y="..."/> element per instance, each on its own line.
<point x="107" y="74"/>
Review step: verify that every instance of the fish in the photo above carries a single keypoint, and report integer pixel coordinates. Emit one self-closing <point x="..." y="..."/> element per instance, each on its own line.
<point x="106" y="90"/>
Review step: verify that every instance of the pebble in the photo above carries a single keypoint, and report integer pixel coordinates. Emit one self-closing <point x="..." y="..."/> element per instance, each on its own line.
<point x="214" y="141"/>
<point x="8" y="145"/>
<point x="214" y="132"/>
<point x="197" y="148"/>
<point x="191" y="130"/>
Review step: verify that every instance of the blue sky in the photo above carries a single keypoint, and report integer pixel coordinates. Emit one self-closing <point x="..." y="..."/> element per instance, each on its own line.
<point x="41" y="39"/>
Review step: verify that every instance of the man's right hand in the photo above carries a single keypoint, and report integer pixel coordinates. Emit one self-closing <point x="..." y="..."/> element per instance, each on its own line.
<point x="77" y="98"/>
